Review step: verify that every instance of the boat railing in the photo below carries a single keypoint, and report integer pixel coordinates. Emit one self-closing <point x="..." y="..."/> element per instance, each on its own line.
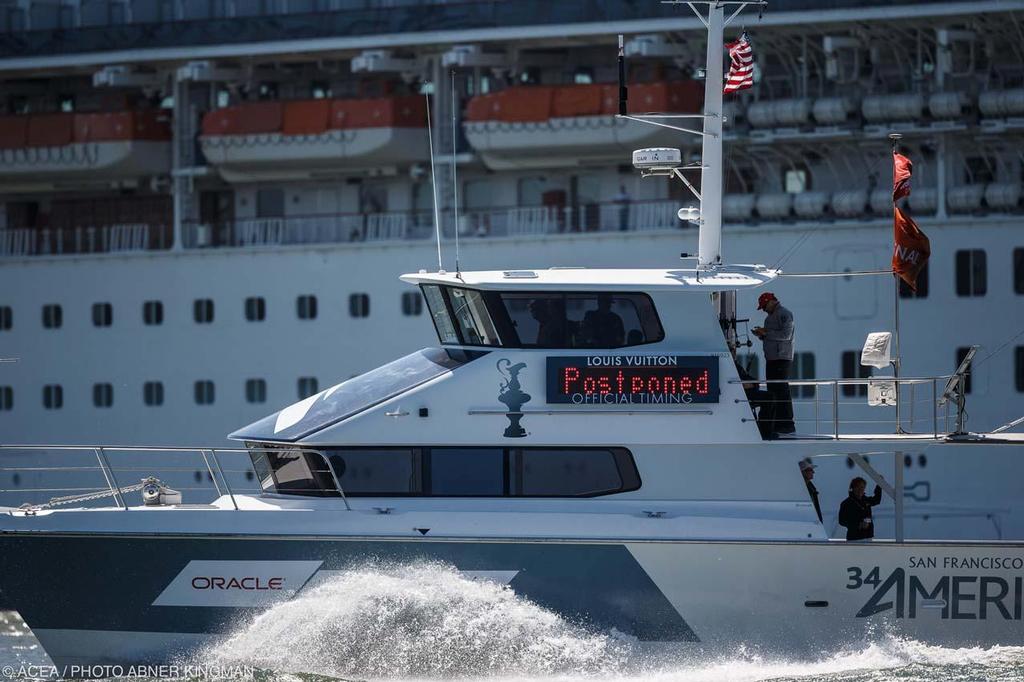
<point x="928" y="407"/>
<point x="51" y="476"/>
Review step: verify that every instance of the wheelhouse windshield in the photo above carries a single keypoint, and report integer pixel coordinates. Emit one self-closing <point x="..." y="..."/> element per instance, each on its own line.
<point x="355" y="395"/>
<point x="542" y="319"/>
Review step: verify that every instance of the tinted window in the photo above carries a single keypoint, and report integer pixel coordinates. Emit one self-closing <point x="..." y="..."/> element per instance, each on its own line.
<point x="581" y="320"/>
<point x="255" y="390"/>
<point x="1018" y="271"/>
<point x="971" y="273"/>
<point x="102" y="395"/>
<point x="359" y="305"/>
<point x="153" y="312"/>
<point x="153" y="393"/>
<point x="6" y="317"/>
<point x="297" y="472"/>
<point x="566" y="473"/>
<point x="803" y="368"/>
<point x="306" y="307"/>
<point x="202" y="310"/>
<point x="465" y="472"/>
<point x="102" y="314"/>
<point x="307" y="386"/>
<point x="852" y="369"/>
<point x="6" y="398"/>
<point x="204" y="392"/>
<point x="412" y="303"/>
<point x="53" y="316"/>
<point x="255" y="309"/>
<point x="1018" y="367"/>
<point x="473" y="320"/>
<point x="439" y="313"/>
<point x="377" y="471"/>
<point x="53" y="396"/>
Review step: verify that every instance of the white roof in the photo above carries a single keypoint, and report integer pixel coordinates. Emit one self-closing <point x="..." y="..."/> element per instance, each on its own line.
<point x="589" y="279"/>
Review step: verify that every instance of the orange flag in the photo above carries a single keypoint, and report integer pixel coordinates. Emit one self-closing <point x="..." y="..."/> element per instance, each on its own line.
<point x="902" y="169"/>
<point x="911" y="250"/>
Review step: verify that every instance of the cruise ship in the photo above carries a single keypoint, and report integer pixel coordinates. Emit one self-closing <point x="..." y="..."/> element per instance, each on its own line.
<point x="206" y="204"/>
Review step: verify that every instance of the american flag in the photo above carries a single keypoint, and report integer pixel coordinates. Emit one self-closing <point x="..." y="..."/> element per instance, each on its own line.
<point x="741" y="70"/>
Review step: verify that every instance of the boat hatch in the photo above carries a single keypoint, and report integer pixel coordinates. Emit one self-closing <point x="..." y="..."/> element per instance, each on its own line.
<point x="350" y="397"/>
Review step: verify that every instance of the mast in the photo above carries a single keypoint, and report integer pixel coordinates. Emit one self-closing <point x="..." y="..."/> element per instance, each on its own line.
<point x="709" y="245"/>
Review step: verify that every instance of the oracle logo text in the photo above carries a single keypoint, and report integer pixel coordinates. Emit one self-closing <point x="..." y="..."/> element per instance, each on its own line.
<point x="248" y="583"/>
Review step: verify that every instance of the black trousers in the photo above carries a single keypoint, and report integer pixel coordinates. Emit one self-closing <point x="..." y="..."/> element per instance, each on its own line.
<point x="779" y="412"/>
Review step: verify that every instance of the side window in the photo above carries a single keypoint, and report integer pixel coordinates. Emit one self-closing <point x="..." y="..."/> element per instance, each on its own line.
<point x="1018" y="273"/>
<point x="153" y="393"/>
<point x="53" y="316"/>
<point x="439" y="312"/>
<point x="255" y="391"/>
<point x="255" y="309"/>
<point x="750" y="362"/>
<point x="1018" y="367"/>
<point x="803" y="368"/>
<point x="922" y="285"/>
<point x="53" y="396"/>
<point x="102" y="314"/>
<point x="359" y="305"/>
<point x="582" y="320"/>
<point x="204" y="392"/>
<point x="852" y="369"/>
<point x="378" y="471"/>
<point x="6" y="398"/>
<point x="465" y="472"/>
<point x="971" y="273"/>
<point x="412" y="303"/>
<point x="306" y="307"/>
<point x="307" y="386"/>
<point x="542" y="472"/>
<point x="202" y="310"/>
<point x="153" y="313"/>
<point x="6" y="318"/>
<point x="102" y="395"/>
<point x="300" y="473"/>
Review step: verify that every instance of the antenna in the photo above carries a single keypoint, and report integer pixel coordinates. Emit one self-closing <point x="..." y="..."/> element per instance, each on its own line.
<point x="433" y="181"/>
<point x="455" y="176"/>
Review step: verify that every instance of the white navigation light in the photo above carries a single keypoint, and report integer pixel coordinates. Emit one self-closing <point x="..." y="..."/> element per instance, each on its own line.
<point x="657" y="158"/>
<point x="689" y="214"/>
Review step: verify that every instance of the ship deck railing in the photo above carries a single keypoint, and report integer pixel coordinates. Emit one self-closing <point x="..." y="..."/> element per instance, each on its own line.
<point x="918" y="408"/>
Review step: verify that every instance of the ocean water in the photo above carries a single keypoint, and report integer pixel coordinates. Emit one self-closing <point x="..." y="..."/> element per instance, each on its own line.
<point x="427" y="622"/>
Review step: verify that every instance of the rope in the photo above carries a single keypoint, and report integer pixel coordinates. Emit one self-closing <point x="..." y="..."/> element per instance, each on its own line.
<point x="87" y="497"/>
<point x="854" y="273"/>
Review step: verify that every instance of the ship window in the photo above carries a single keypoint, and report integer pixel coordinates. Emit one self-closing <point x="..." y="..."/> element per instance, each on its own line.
<point x="587" y="320"/>
<point x="474" y="322"/>
<point x="412" y="303"/>
<point x="1018" y="273"/>
<point x="749" y="362"/>
<point x="102" y="395"/>
<point x="439" y="312"/>
<point x="255" y="309"/>
<point x="306" y="307"/>
<point x="256" y="391"/>
<point x="204" y="392"/>
<point x="961" y="353"/>
<point x="153" y="393"/>
<point x="1018" y="367"/>
<point x="568" y="472"/>
<point x="922" y="285"/>
<point x="6" y="317"/>
<point x="53" y="396"/>
<point x="102" y="314"/>
<point x="971" y="273"/>
<point x="53" y="316"/>
<point x="378" y="471"/>
<point x="6" y="398"/>
<point x="153" y="312"/>
<point x="307" y="386"/>
<point x="803" y="368"/>
<point x="359" y="305"/>
<point x="852" y="369"/>
<point x="463" y="472"/>
<point x="202" y="310"/>
<point x="294" y="472"/>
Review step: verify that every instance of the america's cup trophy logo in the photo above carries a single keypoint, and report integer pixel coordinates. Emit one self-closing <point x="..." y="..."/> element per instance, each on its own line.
<point x="513" y="396"/>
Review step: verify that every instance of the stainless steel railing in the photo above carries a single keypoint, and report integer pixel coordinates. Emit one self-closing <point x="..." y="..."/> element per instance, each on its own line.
<point x="98" y="478"/>
<point x="840" y="404"/>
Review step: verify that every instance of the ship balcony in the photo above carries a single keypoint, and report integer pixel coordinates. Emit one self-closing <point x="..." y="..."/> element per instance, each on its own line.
<point x="314" y="138"/>
<point x="543" y="127"/>
<point x="39" y="151"/>
<point x="85" y="240"/>
<point x="515" y="221"/>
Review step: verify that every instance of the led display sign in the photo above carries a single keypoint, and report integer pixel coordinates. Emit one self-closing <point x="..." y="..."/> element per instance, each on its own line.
<point x="633" y="379"/>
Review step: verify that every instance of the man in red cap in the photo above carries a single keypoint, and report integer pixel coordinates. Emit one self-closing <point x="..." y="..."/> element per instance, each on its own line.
<point x="777" y="338"/>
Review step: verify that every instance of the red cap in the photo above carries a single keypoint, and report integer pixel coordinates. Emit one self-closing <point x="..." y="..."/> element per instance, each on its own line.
<point x="763" y="299"/>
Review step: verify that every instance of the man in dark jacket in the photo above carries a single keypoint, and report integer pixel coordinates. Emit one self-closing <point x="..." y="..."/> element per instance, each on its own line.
<point x="777" y="337"/>
<point x="807" y="470"/>
<point x="855" y="511"/>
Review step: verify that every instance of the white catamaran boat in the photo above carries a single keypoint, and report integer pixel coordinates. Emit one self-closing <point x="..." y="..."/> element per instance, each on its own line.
<point x="582" y="435"/>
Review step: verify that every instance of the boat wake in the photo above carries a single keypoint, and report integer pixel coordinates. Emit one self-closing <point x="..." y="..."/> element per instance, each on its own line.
<point x="427" y="621"/>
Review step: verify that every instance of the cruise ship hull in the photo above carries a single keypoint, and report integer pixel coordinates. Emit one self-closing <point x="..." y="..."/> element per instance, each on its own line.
<point x="132" y="600"/>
